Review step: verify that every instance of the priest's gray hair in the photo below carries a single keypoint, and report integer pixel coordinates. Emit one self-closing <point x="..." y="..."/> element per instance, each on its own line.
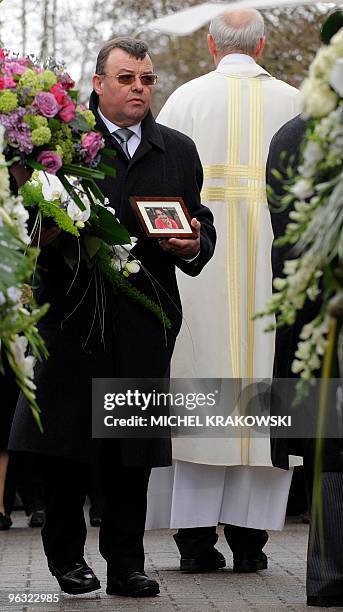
<point x="237" y="31"/>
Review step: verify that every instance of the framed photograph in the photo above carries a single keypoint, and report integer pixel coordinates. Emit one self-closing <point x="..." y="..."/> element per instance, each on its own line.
<point x="163" y="217"/>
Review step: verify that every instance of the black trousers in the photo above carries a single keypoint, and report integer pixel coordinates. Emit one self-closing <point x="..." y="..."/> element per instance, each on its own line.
<point x="66" y="484"/>
<point x="325" y="559"/>
<point x="197" y="541"/>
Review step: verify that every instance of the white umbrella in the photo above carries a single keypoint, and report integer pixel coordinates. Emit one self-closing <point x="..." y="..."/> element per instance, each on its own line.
<point x="191" y="19"/>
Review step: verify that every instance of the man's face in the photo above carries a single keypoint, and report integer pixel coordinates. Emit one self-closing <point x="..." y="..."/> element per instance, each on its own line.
<point x="124" y="105"/>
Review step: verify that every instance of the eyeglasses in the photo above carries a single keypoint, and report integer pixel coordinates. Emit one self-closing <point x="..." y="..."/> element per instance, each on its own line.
<point x="128" y="79"/>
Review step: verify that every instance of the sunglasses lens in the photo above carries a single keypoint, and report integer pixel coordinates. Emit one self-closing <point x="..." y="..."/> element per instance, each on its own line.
<point x="148" y="79"/>
<point x="126" y="79"/>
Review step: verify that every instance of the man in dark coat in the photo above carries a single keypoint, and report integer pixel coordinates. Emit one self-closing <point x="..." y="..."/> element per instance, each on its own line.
<point x="324" y="566"/>
<point x="90" y="333"/>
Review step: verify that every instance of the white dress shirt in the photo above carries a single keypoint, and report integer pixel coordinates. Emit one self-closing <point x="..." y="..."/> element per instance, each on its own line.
<point x="133" y="142"/>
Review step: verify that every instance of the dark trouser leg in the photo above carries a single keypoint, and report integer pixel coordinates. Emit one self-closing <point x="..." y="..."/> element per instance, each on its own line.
<point x="96" y="492"/>
<point x="195" y="542"/>
<point x="324" y="584"/>
<point x="245" y="542"/>
<point x="29" y="481"/>
<point x="123" y="519"/>
<point x="64" y="531"/>
<point x="10" y="486"/>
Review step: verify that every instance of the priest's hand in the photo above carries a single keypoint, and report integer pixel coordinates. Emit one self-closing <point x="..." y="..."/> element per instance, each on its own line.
<point x="185" y="248"/>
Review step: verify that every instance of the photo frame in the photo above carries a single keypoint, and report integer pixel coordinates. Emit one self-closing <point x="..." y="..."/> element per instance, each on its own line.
<point x="163" y="217"/>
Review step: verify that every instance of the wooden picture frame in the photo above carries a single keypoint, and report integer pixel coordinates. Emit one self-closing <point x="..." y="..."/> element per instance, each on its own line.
<point x="163" y="217"/>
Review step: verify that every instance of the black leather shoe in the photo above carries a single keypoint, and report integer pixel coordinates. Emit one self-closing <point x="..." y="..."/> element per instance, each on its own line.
<point x="245" y="564"/>
<point x="37" y="519"/>
<point x="132" y="584"/>
<point x="75" y="578"/>
<point x="213" y="560"/>
<point x="5" y="522"/>
<point x="325" y="602"/>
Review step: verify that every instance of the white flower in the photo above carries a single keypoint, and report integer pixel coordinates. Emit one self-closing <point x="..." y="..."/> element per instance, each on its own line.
<point x="279" y="283"/>
<point x="336" y="77"/>
<point x="302" y="189"/>
<point x="290" y="266"/>
<point x="122" y="251"/>
<point x="76" y="214"/>
<point x="18" y="349"/>
<point x="323" y="62"/>
<point x="297" y="366"/>
<point x="120" y="260"/>
<point x="132" y="267"/>
<point x="318" y="99"/>
<point x="2" y="299"/>
<point x="13" y="294"/>
<point x="52" y="188"/>
<point x="313" y="152"/>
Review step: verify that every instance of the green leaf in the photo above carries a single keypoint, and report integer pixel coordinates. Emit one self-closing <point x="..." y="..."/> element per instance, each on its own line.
<point x="69" y="188"/>
<point x="35" y="164"/>
<point x="106" y="227"/>
<point x="92" y="245"/>
<point x="54" y="125"/>
<point x="81" y="171"/>
<point x="73" y="94"/>
<point x="97" y="193"/>
<point x="107" y="170"/>
<point x="111" y="153"/>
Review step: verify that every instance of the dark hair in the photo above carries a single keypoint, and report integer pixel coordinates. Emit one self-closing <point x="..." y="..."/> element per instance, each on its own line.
<point x="132" y="46"/>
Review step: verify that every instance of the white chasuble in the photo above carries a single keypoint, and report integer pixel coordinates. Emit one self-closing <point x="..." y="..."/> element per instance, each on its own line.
<point x="231" y="114"/>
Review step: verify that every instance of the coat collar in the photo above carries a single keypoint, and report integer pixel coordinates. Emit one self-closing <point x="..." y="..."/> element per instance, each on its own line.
<point x="242" y="70"/>
<point x="151" y="134"/>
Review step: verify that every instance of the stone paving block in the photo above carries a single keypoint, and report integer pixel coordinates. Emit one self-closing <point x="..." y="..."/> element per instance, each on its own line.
<point x="23" y="569"/>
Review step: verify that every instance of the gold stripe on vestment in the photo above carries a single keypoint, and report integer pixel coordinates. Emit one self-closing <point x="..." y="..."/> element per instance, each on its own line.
<point x="232" y="197"/>
<point x="254" y="202"/>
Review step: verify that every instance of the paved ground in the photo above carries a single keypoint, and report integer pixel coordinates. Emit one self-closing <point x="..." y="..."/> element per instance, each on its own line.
<point x="23" y="571"/>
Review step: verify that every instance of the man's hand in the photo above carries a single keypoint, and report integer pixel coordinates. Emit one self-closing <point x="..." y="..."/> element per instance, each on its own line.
<point x="185" y="248"/>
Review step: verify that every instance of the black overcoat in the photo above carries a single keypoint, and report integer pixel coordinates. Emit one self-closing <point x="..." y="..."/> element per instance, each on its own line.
<point x="288" y="141"/>
<point x="130" y="341"/>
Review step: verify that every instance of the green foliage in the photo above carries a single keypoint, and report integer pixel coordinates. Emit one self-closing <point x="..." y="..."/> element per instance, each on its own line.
<point x="119" y="282"/>
<point x="33" y="197"/>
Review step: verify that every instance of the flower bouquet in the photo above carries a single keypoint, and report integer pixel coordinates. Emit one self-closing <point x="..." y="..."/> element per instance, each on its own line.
<point x="45" y="127"/>
<point x="18" y="311"/>
<point x="316" y="227"/>
<point x="47" y="130"/>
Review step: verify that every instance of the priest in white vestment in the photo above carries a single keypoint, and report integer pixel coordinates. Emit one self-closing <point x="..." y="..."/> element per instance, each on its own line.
<point x="231" y="114"/>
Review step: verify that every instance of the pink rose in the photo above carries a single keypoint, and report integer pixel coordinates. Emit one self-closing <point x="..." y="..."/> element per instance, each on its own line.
<point x="92" y="142"/>
<point x="46" y="104"/>
<point x="67" y="113"/>
<point x="50" y="160"/>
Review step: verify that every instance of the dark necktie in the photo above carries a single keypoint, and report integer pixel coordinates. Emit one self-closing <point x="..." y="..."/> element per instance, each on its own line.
<point x="124" y="135"/>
